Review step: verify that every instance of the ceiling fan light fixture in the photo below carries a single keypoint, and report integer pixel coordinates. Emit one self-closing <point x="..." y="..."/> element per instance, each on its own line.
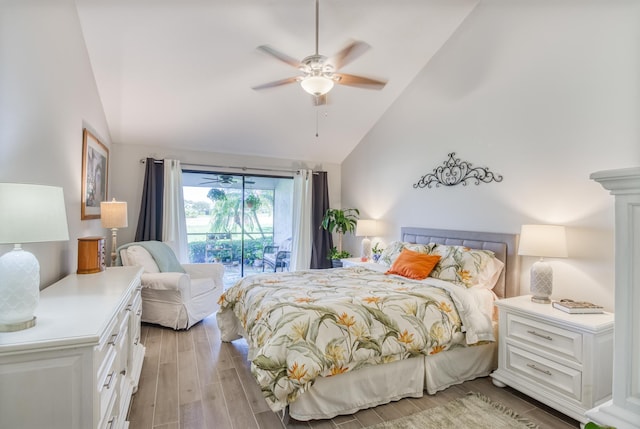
<point x="316" y="85"/>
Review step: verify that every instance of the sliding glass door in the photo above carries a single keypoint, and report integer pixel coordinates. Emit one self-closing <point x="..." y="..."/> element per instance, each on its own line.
<point x="232" y="218"/>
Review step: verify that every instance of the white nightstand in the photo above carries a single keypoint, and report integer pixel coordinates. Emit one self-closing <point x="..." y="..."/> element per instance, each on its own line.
<point x="563" y="360"/>
<point x="351" y="262"/>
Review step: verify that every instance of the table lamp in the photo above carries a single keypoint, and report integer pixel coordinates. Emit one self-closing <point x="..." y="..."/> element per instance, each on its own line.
<point x="113" y="214"/>
<point x="29" y="214"/>
<point x="544" y="241"/>
<point x="366" y="228"/>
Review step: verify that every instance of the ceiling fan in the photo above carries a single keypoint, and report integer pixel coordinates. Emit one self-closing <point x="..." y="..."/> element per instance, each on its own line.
<point x="319" y="73"/>
<point x="224" y="179"/>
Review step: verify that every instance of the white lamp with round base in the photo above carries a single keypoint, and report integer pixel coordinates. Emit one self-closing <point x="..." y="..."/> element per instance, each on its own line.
<point x="366" y="228"/>
<point x="543" y="241"/>
<point x="30" y="214"/>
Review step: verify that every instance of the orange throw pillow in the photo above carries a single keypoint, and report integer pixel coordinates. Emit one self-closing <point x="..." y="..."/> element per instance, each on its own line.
<point x="414" y="265"/>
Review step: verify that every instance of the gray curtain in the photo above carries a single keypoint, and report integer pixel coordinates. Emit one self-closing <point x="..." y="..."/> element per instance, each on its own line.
<point x="150" y="219"/>
<point x="322" y="239"/>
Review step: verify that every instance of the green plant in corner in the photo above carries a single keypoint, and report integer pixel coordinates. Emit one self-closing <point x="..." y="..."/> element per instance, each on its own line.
<point x="335" y="254"/>
<point x="340" y="221"/>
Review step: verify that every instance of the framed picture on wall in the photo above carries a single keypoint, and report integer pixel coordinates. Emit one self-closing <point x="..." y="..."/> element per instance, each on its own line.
<point x="95" y="168"/>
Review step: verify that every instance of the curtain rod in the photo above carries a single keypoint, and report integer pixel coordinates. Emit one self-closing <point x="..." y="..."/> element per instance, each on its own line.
<point x="143" y="161"/>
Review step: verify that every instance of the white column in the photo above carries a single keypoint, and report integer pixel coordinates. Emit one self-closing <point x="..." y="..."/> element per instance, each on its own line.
<point x="623" y="411"/>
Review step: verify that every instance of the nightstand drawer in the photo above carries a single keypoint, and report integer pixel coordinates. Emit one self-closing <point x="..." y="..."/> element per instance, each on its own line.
<point x="553" y="339"/>
<point x="539" y="370"/>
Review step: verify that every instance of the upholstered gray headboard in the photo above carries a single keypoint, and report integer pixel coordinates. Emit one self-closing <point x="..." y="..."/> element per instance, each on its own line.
<point x="505" y="247"/>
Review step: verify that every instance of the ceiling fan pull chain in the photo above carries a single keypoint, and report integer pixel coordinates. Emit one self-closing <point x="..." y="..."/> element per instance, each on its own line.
<point x="317" y="23"/>
<point x="316" y="123"/>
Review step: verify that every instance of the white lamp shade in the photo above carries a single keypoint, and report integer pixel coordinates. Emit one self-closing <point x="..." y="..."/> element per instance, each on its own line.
<point x="543" y="240"/>
<point x="316" y="85"/>
<point x="366" y="228"/>
<point x="113" y="214"/>
<point x="32" y="214"/>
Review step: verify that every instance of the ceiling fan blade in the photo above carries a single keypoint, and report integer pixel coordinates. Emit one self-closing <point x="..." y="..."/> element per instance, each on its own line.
<point x="319" y="100"/>
<point x="349" y="53"/>
<point x="359" y="81"/>
<point x="276" y="83"/>
<point x="280" y="56"/>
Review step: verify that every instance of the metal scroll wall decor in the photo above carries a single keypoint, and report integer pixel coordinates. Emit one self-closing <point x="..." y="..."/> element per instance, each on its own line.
<point x="454" y="172"/>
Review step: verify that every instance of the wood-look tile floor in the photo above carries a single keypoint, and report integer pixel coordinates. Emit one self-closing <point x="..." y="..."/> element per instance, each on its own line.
<point x="192" y="380"/>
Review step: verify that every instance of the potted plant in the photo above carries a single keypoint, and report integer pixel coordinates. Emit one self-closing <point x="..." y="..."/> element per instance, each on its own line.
<point x="252" y="202"/>
<point x="376" y="252"/>
<point x="215" y="194"/>
<point x="336" y="255"/>
<point x="340" y="221"/>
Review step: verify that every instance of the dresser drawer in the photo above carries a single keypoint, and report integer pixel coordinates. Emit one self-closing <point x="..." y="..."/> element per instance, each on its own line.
<point x="550" y="338"/>
<point x="110" y="417"/>
<point x="542" y="371"/>
<point x="107" y="382"/>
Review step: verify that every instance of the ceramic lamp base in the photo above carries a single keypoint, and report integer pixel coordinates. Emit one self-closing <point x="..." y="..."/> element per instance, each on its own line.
<point x="19" y="326"/>
<point x="541" y="282"/>
<point x="19" y="289"/>
<point x="365" y="251"/>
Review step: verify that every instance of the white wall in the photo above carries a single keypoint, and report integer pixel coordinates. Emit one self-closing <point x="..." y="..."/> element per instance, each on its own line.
<point x="127" y="180"/>
<point x="47" y="96"/>
<point x="541" y="92"/>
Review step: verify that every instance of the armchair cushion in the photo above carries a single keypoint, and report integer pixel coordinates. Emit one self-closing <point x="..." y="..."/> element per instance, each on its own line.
<point x="138" y="255"/>
<point x="162" y="254"/>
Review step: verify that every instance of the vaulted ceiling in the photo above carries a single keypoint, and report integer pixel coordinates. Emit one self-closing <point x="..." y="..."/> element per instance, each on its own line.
<point x="179" y="73"/>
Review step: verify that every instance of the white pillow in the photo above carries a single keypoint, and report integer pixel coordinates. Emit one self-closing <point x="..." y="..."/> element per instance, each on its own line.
<point x="138" y="255"/>
<point x="470" y="267"/>
<point x="393" y="250"/>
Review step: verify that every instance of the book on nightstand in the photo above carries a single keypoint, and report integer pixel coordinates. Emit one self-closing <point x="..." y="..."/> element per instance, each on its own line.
<point x="577" y="307"/>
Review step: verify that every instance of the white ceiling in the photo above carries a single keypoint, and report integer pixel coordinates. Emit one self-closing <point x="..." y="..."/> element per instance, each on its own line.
<point x="178" y="73"/>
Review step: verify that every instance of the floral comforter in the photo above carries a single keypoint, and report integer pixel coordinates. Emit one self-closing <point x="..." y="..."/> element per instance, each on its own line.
<point x="308" y="324"/>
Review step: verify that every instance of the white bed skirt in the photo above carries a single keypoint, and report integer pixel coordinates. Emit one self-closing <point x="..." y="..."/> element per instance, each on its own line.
<point x="365" y="388"/>
<point x="375" y="385"/>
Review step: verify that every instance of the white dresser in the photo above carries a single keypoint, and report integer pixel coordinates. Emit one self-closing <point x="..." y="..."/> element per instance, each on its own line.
<point x="78" y="367"/>
<point x="563" y="360"/>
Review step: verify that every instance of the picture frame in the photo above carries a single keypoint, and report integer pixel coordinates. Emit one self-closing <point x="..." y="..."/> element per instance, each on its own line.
<point x="95" y="172"/>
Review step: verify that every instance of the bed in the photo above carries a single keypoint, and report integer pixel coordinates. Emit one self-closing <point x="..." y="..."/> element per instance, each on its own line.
<point x="376" y="338"/>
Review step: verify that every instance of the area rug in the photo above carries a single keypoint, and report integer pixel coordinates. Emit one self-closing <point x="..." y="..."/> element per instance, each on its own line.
<point x="472" y="411"/>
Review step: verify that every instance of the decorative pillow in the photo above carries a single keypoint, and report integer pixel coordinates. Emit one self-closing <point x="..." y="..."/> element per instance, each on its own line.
<point x="465" y="266"/>
<point x="138" y="255"/>
<point x="393" y="250"/>
<point x="413" y="265"/>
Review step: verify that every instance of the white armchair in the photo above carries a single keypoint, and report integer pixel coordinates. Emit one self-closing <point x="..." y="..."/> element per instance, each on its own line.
<point x="176" y="300"/>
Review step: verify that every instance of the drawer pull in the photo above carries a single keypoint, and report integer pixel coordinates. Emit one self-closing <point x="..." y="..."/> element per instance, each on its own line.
<point x="139" y="312"/>
<point x="135" y="343"/>
<point x="546" y="337"/>
<point x="114" y="338"/>
<point x="544" y="371"/>
<point x="108" y="380"/>
<point x="110" y="422"/>
<point x="128" y="308"/>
